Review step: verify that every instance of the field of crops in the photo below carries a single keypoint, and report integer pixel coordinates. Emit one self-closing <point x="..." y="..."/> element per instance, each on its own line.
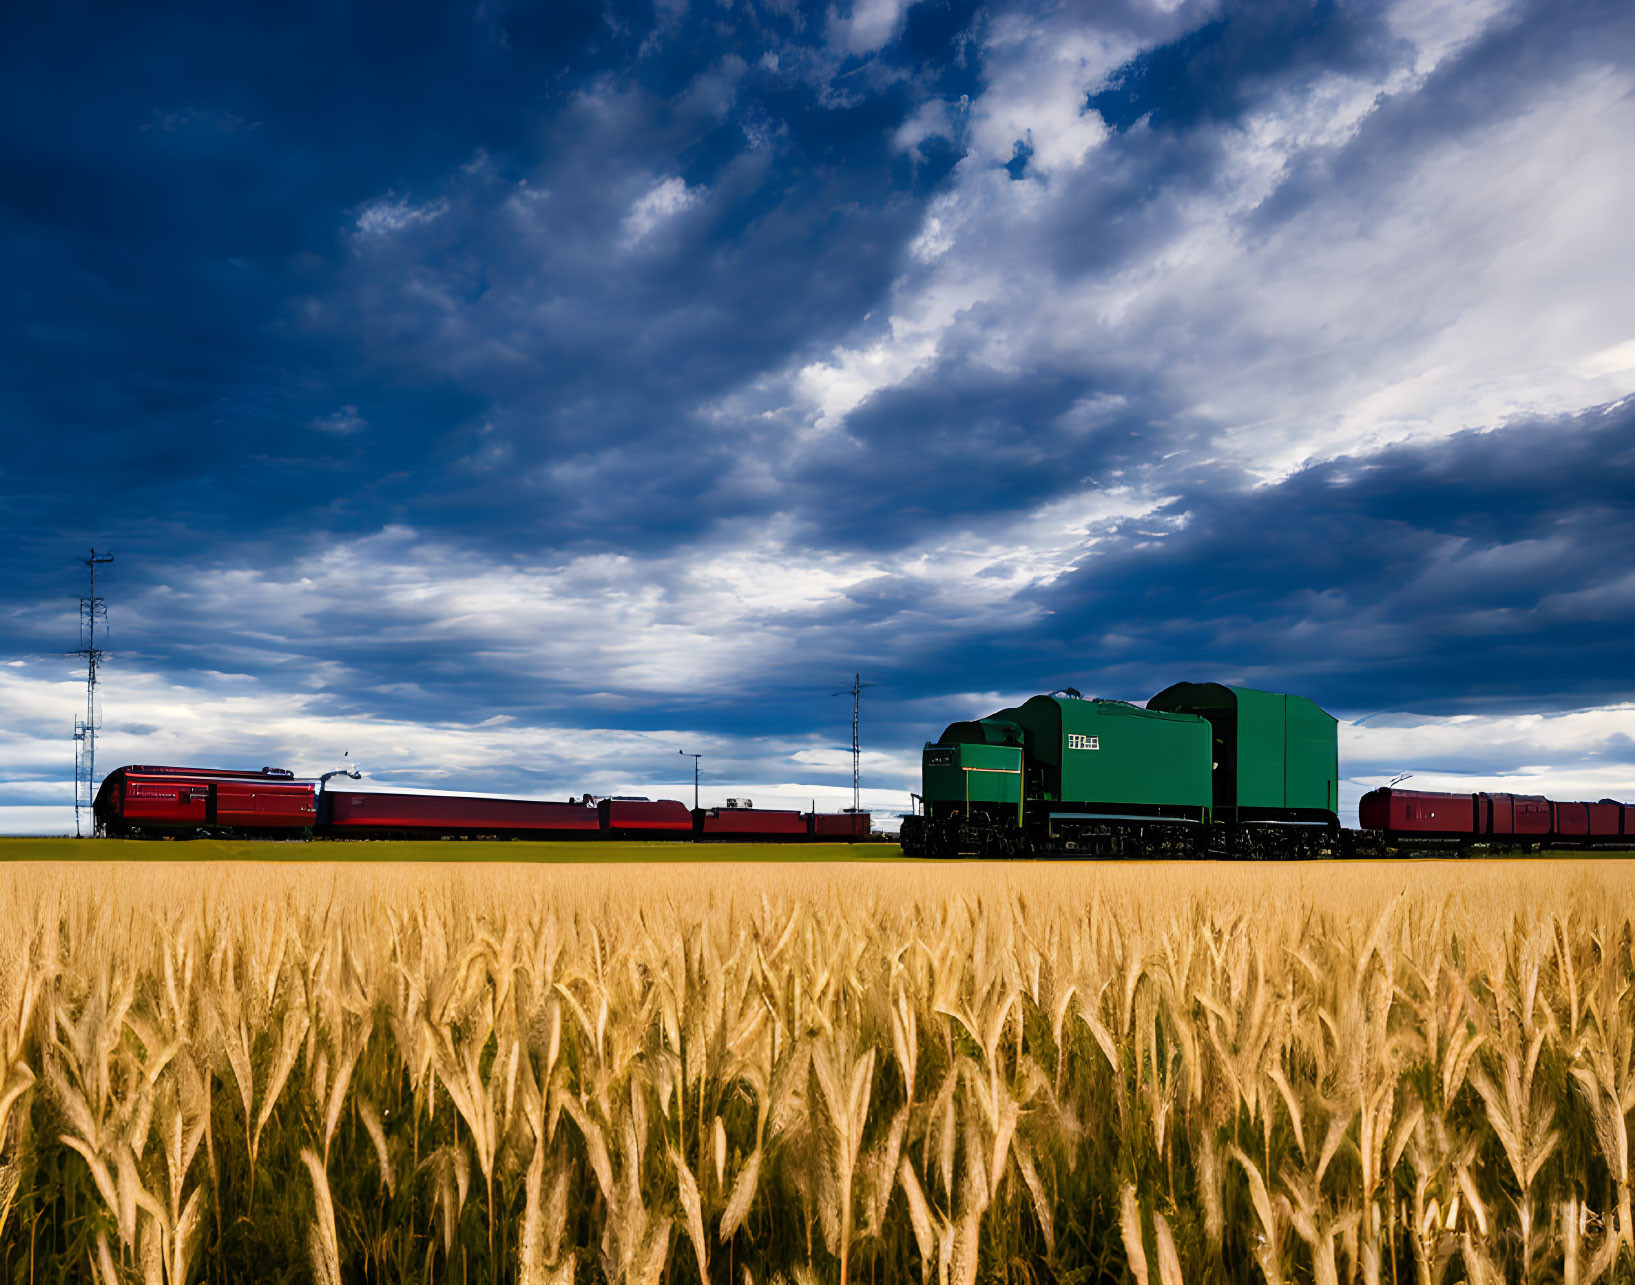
<point x="816" y="1072"/>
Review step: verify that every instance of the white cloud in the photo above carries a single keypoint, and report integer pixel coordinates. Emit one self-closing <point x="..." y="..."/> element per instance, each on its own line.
<point x="1434" y="29"/>
<point x="1616" y="360"/>
<point x="1409" y="742"/>
<point x="40" y="819"/>
<point x="342" y="423"/>
<point x="911" y="342"/>
<point x="931" y="119"/>
<point x="1038" y="80"/>
<point x="388" y="214"/>
<point x="1577" y="754"/>
<point x="870" y="26"/>
<point x="933" y="242"/>
<point x="1487" y="284"/>
<point x="703" y="619"/>
<point x="657" y="206"/>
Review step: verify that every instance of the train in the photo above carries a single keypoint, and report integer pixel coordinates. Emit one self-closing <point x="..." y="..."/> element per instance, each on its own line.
<point x="140" y="801"/>
<point x="1201" y="770"/>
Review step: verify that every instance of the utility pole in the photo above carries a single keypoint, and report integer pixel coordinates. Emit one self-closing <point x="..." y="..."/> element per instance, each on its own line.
<point x="695" y="758"/>
<point x="855" y="691"/>
<point x="91" y="610"/>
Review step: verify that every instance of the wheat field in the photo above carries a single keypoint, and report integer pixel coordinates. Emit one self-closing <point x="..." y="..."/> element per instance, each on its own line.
<point x="1384" y="1072"/>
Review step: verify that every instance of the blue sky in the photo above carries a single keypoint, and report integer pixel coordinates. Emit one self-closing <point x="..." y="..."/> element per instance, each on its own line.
<point x="512" y="395"/>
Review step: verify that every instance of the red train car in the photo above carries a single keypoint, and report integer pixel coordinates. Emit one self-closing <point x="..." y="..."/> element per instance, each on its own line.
<point x="1512" y="815"/>
<point x="1420" y="814"/>
<point x="839" y="825"/>
<point x="1606" y="819"/>
<point x="1532" y="816"/>
<point x="1570" y="820"/>
<point x="749" y="823"/>
<point x="350" y="814"/>
<point x="144" y="800"/>
<point x="645" y="819"/>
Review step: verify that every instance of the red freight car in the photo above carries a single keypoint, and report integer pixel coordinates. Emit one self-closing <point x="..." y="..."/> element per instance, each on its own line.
<point x="1570" y="820"/>
<point x="351" y="814"/>
<point x="1605" y="819"/>
<point x="1419" y="814"/>
<point x="1532" y="816"/>
<point x="645" y="819"/>
<point x="1527" y="817"/>
<point x="839" y="825"/>
<point x="140" y="800"/>
<point x="749" y="823"/>
<point x="1498" y="814"/>
<point x="1509" y="815"/>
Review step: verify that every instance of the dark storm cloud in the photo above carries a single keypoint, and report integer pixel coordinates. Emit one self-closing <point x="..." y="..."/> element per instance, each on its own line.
<point x="964" y="445"/>
<point x="592" y="334"/>
<point x="1487" y="572"/>
<point x="181" y="175"/>
<point x="267" y="271"/>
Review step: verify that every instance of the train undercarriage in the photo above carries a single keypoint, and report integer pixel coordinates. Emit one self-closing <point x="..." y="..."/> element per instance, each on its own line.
<point x="986" y="837"/>
<point x="1153" y="838"/>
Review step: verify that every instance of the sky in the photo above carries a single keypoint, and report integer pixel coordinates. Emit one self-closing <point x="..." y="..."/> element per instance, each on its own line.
<point x="512" y="397"/>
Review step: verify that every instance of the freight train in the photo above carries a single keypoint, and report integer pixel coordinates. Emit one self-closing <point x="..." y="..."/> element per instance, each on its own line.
<point x="184" y="802"/>
<point x="1204" y="769"/>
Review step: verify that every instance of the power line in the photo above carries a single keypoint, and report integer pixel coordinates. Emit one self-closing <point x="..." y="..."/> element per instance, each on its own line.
<point x="91" y="610"/>
<point x="855" y="691"/>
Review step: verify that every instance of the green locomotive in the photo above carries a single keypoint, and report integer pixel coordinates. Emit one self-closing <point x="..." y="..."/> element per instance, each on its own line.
<point x="1204" y="769"/>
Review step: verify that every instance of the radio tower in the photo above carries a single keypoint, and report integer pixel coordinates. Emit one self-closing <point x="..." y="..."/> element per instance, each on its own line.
<point x="91" y="610"/>
<point x="855" y="691"/>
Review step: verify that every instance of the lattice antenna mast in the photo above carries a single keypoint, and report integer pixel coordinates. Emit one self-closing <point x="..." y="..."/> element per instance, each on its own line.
<point x="855" y="691"/>
<point x="92" y="610"/>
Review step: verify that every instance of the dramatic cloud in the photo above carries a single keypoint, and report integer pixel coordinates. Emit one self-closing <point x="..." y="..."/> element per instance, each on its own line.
<point x="518" y="395"/>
